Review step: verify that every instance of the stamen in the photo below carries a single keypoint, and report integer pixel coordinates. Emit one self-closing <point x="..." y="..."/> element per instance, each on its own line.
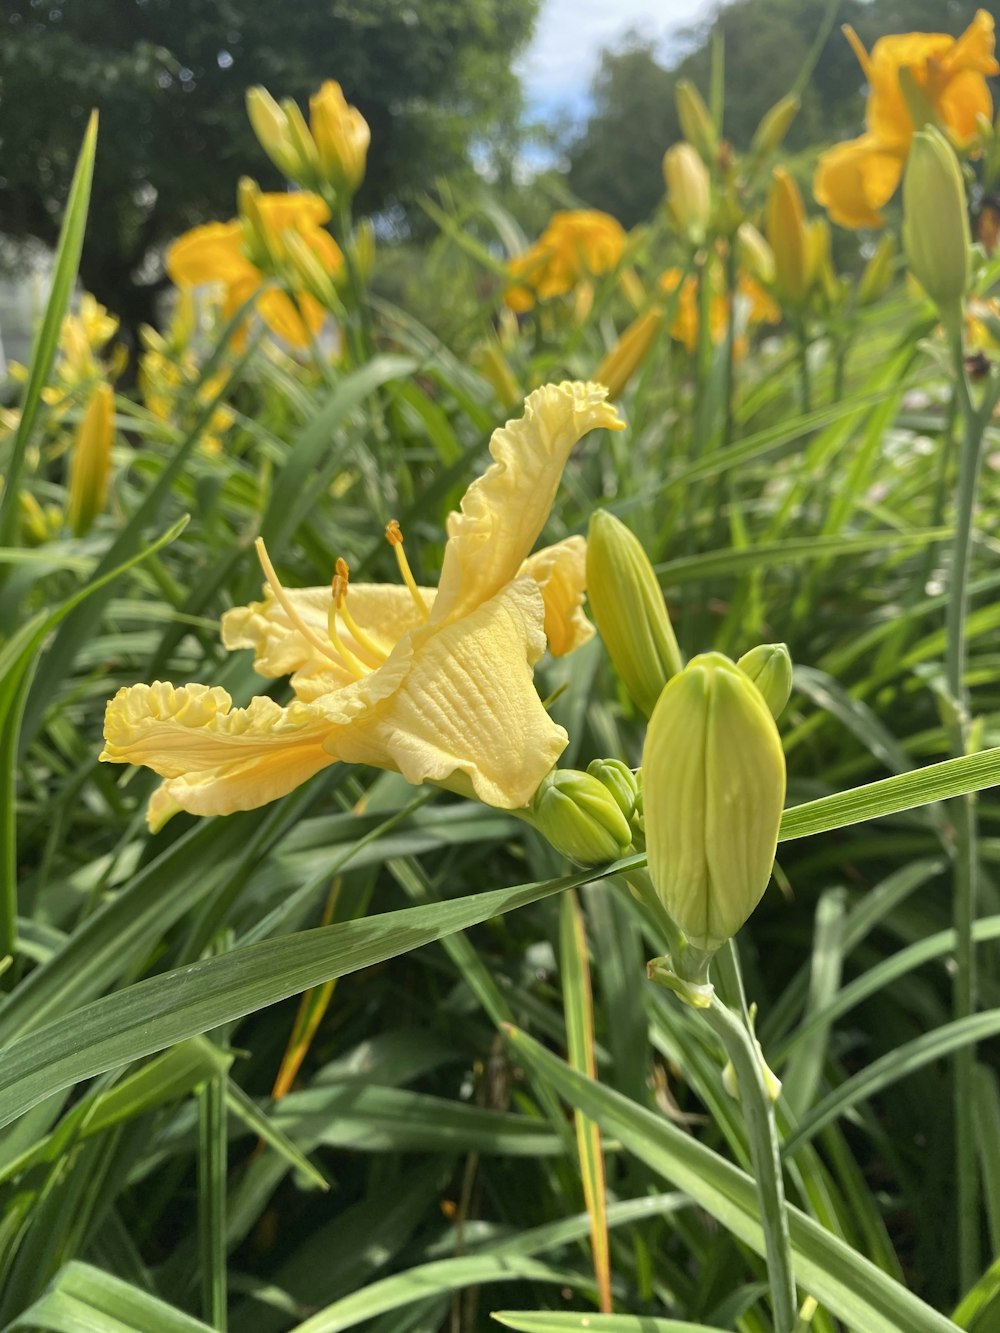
<point x="354" y="664"/>
<point x="857" y="46"/>
<point x="341" y="583"/>
<point x="285" y="602"/>
<point x="394" y="537"/>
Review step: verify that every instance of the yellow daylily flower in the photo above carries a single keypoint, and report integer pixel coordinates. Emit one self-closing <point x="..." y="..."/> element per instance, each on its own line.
<point x="341" y="135"/>
<point x="753" y="306"/>
<point x="215" y="254"/>
<point x="577" y="244"/>
<point x="914" y="78"/>
<point x="436" y="685"/>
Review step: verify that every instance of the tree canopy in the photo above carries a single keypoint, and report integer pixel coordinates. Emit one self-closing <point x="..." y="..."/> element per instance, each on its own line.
<point x="169" y="78"/>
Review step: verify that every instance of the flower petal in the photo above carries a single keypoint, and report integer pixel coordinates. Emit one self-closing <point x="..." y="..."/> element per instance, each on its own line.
<point x="216" y="758"/>
<point x="466" y="704"/>
<point x="212" y="253"/>
<point x="384" y="611"/>
<point x="504" y="511"/>
<point x="561" y="573"/>
<point x="854" y="179"/>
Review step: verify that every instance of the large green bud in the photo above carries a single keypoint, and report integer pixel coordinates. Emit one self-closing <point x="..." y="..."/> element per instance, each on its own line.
<point x="627" y="603"/>
<point x="936" y="222"/>
<point x="713" y="774"/>
<point x="581" y="817"/>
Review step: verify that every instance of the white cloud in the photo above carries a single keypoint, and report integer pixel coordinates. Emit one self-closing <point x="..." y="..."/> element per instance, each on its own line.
<point x="558" y="66"/>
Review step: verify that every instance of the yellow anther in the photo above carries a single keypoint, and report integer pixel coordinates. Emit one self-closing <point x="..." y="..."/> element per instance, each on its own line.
<point x="341" y="583"/>
<point x="285" y="602"/>
<point x="394" y="536"/>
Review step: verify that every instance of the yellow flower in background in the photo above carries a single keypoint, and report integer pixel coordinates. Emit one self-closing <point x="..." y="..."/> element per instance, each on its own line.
<point x="788" y="237"/>
<point x="331" y="150"/>
<point x="629" y="352"/>
<point x="577" y="244"/>
<point x="90" y="460"/>
<point x="341" y="135"/>
<point x="436" y="685"/>
<point x="913" y="78"/>
<point x="753" y="306"/>
<point x="216" y="254"/>
<point x="168" y="367"/>
<point x="83" y="335"/>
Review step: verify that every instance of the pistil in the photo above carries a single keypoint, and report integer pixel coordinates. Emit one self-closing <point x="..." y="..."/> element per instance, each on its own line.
<point x="285" y="602"/>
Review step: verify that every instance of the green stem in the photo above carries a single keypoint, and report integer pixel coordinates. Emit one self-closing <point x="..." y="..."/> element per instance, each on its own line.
<point x="805" y="382"/>
<point x="762" y="1134"/>
<point x="731" y="276"/>
<point x="703" y="364"/>
<point x="969" y="1249"/>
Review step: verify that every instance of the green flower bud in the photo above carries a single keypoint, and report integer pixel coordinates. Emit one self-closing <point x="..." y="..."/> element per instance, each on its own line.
<point x="580" y="817"/>
<point x="627" y="603"/>
<point x="620" y="781"/>
<point x="878" y="271"/>
<point x="769" y="666"/>
<point x="271" y="128"/>
<point x="755" y="253"/>
<point x="713" y="792"/>
<point x="936" y="222"/>
<point x="772" y="1083"/>
<point x="774" y="125"/>
<point x="696" y="121"/>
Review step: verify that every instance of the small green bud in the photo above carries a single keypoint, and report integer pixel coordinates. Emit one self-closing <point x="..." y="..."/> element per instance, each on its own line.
<point x="620" y="781"/>
<point x="755" y="253"/>
<point x="936" y="222"/>
<point x="774" y="125"/>
<point x="878" y="271"/>
<point x="772" y="1083"/>
<point x="713" y="792"/>
<point x="580" y="817"/>
<point x="696" y="121"/>
<point x="271" y="128"/>
<point x="769" y="666"/>
<point x="627" y="604"/>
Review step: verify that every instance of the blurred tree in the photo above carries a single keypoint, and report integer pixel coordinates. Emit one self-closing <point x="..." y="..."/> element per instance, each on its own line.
<point x="615" y="161"/>
<point x="615" y="164"/>
<point x="169" y="78"/>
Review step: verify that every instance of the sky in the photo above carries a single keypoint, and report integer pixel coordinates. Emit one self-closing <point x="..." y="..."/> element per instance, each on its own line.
<point x="558" y="66"/>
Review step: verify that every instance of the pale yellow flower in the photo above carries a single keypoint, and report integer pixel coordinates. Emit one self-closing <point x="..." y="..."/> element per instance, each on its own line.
<point x="435" y="685"/>
<point x="577" y="244"/>
<point x="947" y="87"/>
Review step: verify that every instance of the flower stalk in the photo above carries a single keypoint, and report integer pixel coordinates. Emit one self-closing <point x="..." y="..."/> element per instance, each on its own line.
<point x="738" y="1042"/>
<point x="965" y="822"/>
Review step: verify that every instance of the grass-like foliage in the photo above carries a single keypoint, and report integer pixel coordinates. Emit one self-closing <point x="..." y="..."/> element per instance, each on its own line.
<point x="352" y="1035"/>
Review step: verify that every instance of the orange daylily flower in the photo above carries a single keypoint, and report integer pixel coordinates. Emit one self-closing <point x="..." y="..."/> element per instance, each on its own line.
<point x="576" y="244"/>
<point x="216" y="254"/>
<point x="946" y="78"/>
